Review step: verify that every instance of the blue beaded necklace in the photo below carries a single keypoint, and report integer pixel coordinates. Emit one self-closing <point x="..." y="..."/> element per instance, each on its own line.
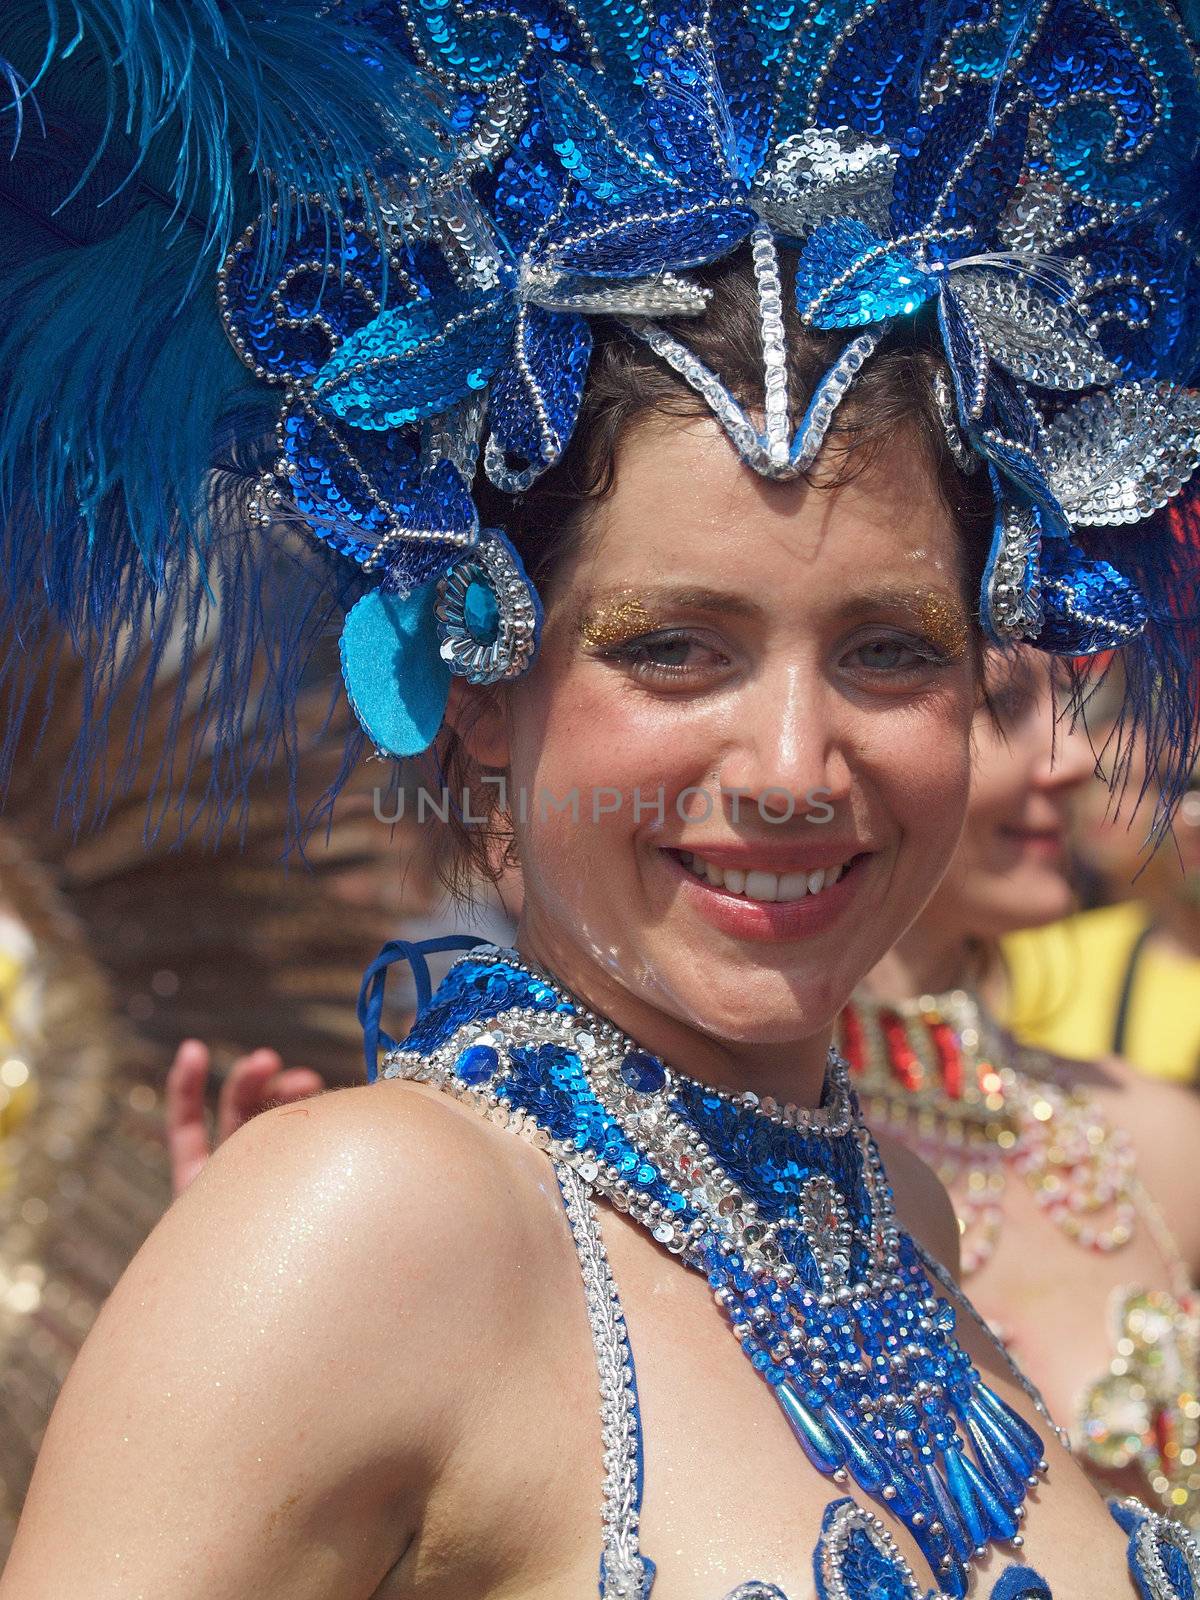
<point x="788" y="1213"/>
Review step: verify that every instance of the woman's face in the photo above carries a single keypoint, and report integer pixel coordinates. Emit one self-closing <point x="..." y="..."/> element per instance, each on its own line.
<point x="1011" y="867"/>
<point x="758" y="697"/>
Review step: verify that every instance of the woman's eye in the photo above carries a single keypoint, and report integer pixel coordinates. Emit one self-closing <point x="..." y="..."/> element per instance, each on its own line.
<point x="667" y="655"/>
<point x="894" y="655"/>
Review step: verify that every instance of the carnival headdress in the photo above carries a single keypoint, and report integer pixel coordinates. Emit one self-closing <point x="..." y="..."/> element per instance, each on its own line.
<point x="420" y="288"/>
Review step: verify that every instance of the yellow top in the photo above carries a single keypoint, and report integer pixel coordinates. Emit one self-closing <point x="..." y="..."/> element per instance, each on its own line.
<point x="1066" y="985"/>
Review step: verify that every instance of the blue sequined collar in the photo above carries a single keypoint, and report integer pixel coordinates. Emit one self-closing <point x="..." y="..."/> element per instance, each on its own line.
<point x="791" y="1219"/>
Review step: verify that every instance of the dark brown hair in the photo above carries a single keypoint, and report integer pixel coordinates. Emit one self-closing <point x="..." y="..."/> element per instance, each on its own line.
<point x="892" y="397"/>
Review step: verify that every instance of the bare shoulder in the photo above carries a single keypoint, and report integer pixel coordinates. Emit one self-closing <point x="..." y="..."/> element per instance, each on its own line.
<point x="922" y="1204"/>
<point x="267" y="1398"/>
<point x="393" y="1194"/>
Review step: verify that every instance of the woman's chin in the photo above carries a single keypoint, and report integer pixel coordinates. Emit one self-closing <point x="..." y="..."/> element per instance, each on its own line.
<point x="748" y="1004"/>
<point x="1024" y="901"/>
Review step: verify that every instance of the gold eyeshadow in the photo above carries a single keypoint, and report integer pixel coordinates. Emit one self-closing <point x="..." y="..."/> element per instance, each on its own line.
<point x="944" y="620"/>
<point x="614" y="620"/>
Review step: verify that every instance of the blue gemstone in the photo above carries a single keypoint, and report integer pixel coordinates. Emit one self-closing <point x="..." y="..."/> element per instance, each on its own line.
<point x="477" y="1063"/>
<point x="643" y="1072"/>
<point x="481" y="614"/>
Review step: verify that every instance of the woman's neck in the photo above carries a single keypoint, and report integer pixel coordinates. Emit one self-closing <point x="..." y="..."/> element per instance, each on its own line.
<point x="792" y="1072"/>
<point x="930" y="961"/>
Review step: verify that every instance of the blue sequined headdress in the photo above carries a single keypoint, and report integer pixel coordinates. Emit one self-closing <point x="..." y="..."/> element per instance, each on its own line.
<point x="1023" y="175"/>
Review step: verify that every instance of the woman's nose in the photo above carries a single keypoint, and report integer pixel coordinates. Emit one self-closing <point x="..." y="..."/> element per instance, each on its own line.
<point x="1068" y="759"/>
<point x="786" y="753"/>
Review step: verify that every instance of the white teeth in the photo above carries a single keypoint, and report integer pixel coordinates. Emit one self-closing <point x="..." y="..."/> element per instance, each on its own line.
<point x="759" y="885"/>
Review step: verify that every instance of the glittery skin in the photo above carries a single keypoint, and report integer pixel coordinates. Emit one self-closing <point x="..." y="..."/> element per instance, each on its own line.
<point x="613" y="621"/>
<point x="788" y="1214"/>
<point x="945" y="622"/>
<point x="602" y="151"/>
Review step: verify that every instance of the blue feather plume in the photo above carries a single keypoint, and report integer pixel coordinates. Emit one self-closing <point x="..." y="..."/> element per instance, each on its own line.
<point x="138" y="138"/>
<point x="1159" y="719"/>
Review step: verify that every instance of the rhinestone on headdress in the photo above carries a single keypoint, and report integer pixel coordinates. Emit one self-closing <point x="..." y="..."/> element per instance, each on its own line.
<point x="487" y="613"/>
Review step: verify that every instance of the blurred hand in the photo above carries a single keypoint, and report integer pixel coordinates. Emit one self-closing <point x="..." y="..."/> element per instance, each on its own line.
<point x="254" y="1082"/>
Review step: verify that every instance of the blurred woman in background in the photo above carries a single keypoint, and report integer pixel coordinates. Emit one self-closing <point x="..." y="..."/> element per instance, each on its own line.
<point x="1074" y="1181"/>
<point x="1122" y="977"/>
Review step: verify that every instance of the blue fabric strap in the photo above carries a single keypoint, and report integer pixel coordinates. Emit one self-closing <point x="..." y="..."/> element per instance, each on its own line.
<point x="371" y="993"/>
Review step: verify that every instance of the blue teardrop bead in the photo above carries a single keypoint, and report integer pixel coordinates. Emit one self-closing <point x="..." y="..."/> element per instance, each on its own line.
<point x="1012" y="1450"/>
<point x="1001" y="1520"/>
<point x="961" y="1486"/>
<point x="1009" y="1485"/>
<point x="953" y="1580"/>
<point x="909" y="1497"/>
<point x="956" y="1530"/>
<point x="935" y="1547"/>
<point x="1013" y="1423"/>
<point x="821" y="1449"/>
<point x="868" y="1466"/>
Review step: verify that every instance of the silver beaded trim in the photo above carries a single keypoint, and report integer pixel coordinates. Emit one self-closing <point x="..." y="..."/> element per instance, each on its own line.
<point x="964" y="457"/>
<point x="1015" y="589"/>
<point x="521" y="1026"/>
<point x="833" y="1120"/>
<point x="768" y="452"/>
<point x="1077" y="614"/>
<point x="625" y="1571"/>
<point x="846" y="1521"/>
<point x="665" y="294"/>
<point x="745" y="436"/>
<point x="1151" y="1534"/>
<point x="649" y="1123"/>
<point x="770" y="316"/>
<point x="829" y="394"/>
<point x="508" y="655"/>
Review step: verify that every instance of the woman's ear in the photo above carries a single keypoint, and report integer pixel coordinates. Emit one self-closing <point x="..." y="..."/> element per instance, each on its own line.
<point x="476" y="712"/>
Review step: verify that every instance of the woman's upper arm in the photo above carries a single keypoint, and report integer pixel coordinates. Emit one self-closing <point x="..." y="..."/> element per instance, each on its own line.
<point x="224" y="1430"/>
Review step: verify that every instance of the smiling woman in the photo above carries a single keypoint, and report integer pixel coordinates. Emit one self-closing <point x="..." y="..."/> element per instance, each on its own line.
<point x="714" y="542"/>
<point x="791" y="652"/>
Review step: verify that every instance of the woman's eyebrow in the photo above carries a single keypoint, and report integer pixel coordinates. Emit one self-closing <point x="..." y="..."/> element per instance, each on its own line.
<point x="901" y="596"/>
<point x="689" y="597"/>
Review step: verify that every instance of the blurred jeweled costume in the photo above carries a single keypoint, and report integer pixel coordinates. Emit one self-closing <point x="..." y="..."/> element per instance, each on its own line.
<point x="420" y="214"/>
<point x="985" y="1111"/>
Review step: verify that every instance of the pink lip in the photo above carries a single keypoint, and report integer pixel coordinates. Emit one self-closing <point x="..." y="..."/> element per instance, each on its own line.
<point x="1046" y="843"/>
<point x="762" y="920"/>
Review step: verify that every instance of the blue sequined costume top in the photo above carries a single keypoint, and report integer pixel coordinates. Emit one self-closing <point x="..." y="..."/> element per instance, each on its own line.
<point x="790" y="1217"/>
